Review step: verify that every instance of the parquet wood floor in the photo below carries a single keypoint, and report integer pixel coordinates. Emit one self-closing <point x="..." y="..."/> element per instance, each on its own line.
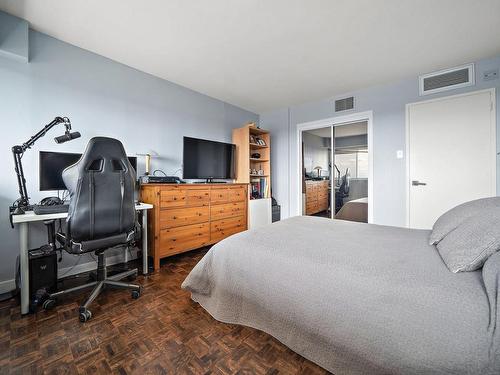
<point x="163" y="332"/>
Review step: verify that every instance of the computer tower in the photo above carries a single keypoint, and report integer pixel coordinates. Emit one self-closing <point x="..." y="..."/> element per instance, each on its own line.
<point x="276" y="213"/>
<point x="42" y="271"/>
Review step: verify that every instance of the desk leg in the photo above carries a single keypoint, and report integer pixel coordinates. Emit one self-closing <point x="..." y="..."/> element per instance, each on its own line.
<point x="24" y="266"/>
<point x="145" y="242"/>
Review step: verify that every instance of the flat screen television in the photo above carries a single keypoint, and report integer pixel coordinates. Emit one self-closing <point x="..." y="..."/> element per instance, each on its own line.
<point x="52" y="164"/>
<point x="204" y="159"/>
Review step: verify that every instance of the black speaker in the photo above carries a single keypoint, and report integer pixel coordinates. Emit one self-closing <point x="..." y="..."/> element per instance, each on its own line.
<point x="43" y="270"/>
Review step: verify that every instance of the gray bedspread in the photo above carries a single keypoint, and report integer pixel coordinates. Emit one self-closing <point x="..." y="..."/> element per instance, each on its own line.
<point x="355" y="298"/>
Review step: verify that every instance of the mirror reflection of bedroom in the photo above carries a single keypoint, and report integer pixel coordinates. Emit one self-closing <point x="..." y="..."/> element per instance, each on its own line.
<point x="335" y="173"/>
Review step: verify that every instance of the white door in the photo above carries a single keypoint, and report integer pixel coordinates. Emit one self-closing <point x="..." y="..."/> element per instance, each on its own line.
<point x="451" y="154"/>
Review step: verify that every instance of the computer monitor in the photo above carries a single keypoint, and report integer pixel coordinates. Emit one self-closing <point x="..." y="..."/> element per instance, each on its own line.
<point x="52" y="165"/>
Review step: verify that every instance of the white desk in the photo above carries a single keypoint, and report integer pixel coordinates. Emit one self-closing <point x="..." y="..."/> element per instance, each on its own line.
<point x="30" y="217"/>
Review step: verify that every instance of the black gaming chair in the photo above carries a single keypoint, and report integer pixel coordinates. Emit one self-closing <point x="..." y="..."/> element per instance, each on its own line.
<point x="101" y="212"/>
<point x="345" y="185"/>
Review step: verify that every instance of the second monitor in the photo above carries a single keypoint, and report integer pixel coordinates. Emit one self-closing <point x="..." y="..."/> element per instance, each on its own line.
<point x="52" y="164"/>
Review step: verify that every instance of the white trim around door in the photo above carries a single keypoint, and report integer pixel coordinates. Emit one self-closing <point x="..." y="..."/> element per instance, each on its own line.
<point x="336" y="121"/>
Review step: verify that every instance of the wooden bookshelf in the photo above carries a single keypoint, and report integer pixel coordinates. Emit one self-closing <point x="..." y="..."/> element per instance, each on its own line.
<point x="259" y="210"/>
<point x="245" y="163"/>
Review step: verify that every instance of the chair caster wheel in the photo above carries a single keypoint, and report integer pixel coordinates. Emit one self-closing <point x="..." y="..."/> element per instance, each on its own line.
<point x="49" y="304"/>
<point x="136" y="294"/>
<point x="85" y="315"/>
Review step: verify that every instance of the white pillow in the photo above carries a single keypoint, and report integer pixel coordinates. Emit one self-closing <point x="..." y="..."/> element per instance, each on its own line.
<point x="457" y="215"/>
<point x="468" y="246"/>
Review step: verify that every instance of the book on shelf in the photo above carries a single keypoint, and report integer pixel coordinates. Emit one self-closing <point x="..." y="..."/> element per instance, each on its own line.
<point x="260" y="188"/>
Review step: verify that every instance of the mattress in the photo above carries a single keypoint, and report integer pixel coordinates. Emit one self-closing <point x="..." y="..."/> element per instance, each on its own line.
<point x="355" y="210"/>
<point x="354" y="298"/>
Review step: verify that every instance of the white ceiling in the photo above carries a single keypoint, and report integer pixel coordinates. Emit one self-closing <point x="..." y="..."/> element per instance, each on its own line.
<point x="266" y="54"/>
<point x="356" y="128"/>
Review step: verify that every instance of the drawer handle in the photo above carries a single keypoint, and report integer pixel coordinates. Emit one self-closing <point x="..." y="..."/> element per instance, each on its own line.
<point x="174" y="217"/>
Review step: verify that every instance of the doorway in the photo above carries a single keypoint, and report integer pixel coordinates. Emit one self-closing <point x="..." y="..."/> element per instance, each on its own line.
<point x="343" y="187"/>
<point x="451" y="154"/>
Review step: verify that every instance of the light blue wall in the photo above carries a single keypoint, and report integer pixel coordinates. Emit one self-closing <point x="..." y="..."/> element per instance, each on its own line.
<point x="315" y="153"/>
<point x="101" y="97"/>
<point x="388" y="105"/>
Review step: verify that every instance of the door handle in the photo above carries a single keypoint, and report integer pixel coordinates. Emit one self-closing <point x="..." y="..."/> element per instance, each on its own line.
<point x="418" y="183"/>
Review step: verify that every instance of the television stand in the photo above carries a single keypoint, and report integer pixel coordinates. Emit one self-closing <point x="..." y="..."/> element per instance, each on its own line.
<point x="196" y="215"/>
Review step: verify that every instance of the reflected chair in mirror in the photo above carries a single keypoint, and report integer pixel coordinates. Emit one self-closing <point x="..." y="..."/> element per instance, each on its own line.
<point x="343" y="192"/>
<point x="101" y="214"/>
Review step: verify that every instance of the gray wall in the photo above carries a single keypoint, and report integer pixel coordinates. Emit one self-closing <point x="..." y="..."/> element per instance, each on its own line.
<point x="101" y="97"/>
<point x="315" y="153"/>
<point x="388" y="105"/>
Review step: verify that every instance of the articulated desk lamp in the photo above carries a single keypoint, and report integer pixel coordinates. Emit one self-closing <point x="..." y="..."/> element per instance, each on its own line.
<point x="318" y="170"/>
<point x="23" y="204"/>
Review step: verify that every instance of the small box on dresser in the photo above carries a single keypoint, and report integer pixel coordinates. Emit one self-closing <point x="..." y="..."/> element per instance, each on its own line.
<point x="190" y="216"/>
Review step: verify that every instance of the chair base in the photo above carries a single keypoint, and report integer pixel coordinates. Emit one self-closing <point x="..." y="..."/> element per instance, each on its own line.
<point x="99" y="285"/>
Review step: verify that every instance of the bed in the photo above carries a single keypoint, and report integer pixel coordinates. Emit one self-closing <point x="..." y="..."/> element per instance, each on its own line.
<point x="355" y="210"/>
<point x="354" y="298"/>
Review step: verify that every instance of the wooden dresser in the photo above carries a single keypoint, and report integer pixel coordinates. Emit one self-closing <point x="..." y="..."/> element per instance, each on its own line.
<point x="189" y="216"/>
<point x="316" y="196"/>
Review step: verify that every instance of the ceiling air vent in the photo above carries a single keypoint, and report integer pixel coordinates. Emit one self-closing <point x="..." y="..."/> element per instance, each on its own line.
<point x="344" y="104"/>
<point x="448" y="79"/>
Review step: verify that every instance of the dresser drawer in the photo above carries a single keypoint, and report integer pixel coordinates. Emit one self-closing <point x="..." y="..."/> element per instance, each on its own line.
<point x="323" y="194"/>
<point x="238" y="194"/>
<point x="222" y="211"/>
<point x="311" y="202"/>
<point x="220" y="196"/>
<point x="312" y="206"/>
<point x="176" y="240"/>
<point x="310" y="195"/>
<point x="221" y="229"/>
<point x="323" y="206"/>
<point x="177" y="217"/>
<point x="173" y="198"/>
<point x="198" y="197"/>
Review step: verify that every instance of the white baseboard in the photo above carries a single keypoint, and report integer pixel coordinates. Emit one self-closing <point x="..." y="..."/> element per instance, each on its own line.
<point x="9" y="285"/>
